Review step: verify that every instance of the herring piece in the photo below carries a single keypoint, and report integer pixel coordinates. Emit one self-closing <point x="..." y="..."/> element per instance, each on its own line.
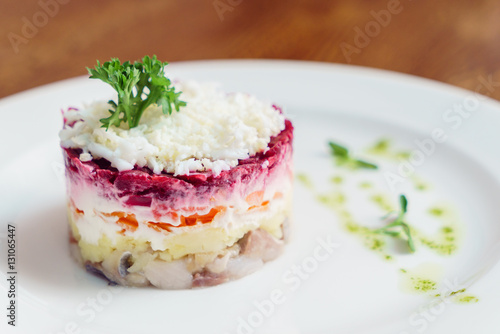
<point x="207" y="278"/>
<point x="259" y="244"/>
<point x="168" y="275"/>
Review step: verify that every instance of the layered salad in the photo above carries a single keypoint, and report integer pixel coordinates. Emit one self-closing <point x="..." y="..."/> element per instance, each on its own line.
<point x="186" y="186"/>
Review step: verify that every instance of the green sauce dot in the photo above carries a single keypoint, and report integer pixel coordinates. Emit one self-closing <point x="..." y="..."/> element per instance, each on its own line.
<point x="457" y="292"/>
<point x="403" y="155"/>
<point x="365" y="185"/>
<point x="381" y="146"/>
<point x="337" y="179"/>
<point x="466" y="299"/>
<point x="447" y="229"/>
<point x="305" y="180"/>
<point x="423" y="285"/>
<point x="436" y="212"/>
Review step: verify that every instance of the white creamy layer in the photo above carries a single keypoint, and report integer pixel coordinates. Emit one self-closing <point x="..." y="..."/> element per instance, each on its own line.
<point x="212" y="132"/>
<point x="92" y="226"/>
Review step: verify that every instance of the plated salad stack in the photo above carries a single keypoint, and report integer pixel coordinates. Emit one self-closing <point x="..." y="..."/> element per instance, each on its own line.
<point x="175" y="187"/>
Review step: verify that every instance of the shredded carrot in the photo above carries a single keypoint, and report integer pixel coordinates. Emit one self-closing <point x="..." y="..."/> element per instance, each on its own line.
<point x="255" y="198"/>
<point x="188" y="220"/>
<point x="204" y="219"/>
<point x="128" y="221"/>
<point x="262" y="206"/>
<point x="77" y="211"/>
<point x="158" y="226"/>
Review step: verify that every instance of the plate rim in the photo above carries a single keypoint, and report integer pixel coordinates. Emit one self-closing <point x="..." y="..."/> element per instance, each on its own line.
<point x="289" y="64"/>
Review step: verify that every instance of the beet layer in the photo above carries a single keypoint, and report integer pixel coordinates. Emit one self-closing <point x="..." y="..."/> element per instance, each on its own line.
<point x="141" y="187"/>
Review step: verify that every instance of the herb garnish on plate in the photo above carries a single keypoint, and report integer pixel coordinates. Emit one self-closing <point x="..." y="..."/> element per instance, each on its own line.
<point x="343" y="158"/>
<point x="399" y="222"/>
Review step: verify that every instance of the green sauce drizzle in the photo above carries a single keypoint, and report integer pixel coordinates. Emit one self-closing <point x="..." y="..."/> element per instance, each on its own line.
<point x="444" y="241"/>
<point x="421" y="280"/>
<point x="365" y="185"/>
<point x="423" y="285"/>
<point x="383" y="148"/>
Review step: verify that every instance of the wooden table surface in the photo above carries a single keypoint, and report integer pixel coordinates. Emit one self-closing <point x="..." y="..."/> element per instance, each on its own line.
<point x="453" y="41"/>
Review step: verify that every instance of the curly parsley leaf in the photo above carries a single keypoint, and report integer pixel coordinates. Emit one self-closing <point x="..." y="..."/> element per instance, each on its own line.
<point x="138" y="86"/>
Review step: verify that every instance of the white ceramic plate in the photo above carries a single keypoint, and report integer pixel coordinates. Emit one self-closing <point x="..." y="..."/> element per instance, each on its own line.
<point x="351" y="290"/>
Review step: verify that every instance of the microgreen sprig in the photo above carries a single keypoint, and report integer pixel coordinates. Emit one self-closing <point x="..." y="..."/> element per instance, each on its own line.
<point x="138" y="86"/>
<point x="342" y="156"/>
<point x="399" y="223"/>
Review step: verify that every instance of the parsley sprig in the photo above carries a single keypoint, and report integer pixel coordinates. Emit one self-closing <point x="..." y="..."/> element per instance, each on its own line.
<point x="138" y="86"/>
<point x="390" y="229"/>
<point x="343" y="158"/>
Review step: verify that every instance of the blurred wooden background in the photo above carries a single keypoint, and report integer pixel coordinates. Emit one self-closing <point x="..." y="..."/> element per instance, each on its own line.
<point x="453" y="41"/>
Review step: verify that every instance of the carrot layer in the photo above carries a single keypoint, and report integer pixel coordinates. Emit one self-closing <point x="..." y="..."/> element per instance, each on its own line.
<point x="129" y="221"/>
